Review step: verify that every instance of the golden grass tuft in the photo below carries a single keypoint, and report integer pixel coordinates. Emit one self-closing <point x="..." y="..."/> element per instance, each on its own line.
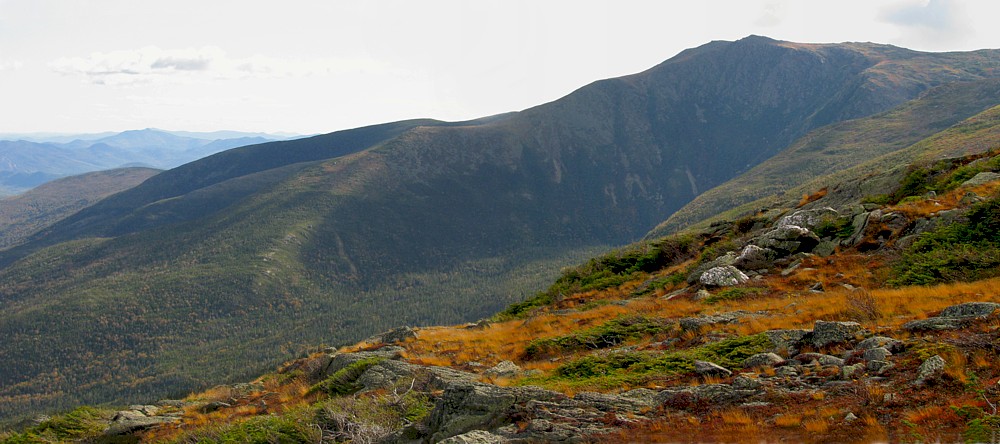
<point x="924" y="414"/>
<point x="789" y="420"/>
<point x="816" y="425"/>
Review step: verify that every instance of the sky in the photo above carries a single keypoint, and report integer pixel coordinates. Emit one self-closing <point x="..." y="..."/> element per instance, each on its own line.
<point x="316" y="66"/>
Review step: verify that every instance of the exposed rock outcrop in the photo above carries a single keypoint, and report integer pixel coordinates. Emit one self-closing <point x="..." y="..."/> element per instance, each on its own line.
<point x="725" y="276"/>
<point x="788" y="240"/>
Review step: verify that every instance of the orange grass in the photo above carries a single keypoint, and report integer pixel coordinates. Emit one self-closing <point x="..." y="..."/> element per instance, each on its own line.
<point x="816" y="425"/>
<point x="924" y="414"/>
<point x="789" y="420"/>
<point x="947" y="201"/>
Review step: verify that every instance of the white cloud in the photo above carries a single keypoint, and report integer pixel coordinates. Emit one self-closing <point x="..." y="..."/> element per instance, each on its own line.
<point x="154" y="65"/>
<point x="771" y="15"/>
<point x="10" y="65"/>
<point x="937" y="23"/>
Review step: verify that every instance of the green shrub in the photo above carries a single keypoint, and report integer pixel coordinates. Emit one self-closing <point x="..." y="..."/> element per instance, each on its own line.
<point x="297" y="426"/>
<point x="609" y="334"/>
<point x="732" y="352"/>
<point x="958" y="252"/>
<point x="623" y="368"/>
<point x="344" y="381"/>
<point x="640" y="367"/>
<point x="608" y="271"/>
<point x="985" y="429"/>
<point x="840" y="227"/>
<point x="82" y="424"/>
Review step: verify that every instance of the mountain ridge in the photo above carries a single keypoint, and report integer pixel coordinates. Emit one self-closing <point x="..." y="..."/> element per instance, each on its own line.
<point x="414" y="222"/>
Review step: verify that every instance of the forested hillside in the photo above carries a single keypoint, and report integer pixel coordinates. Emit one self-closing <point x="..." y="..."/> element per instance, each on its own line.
<point x="202" y="272"/>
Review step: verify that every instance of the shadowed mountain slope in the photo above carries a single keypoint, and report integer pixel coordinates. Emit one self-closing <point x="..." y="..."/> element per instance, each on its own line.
<point x="22" y="215"/>
<point x="202" y="271"/>
<point x="841" y="146"/>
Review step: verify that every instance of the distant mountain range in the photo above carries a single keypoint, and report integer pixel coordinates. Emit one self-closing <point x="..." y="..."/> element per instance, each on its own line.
<point x="201" y="272"/>
<point x="27" y="161"/>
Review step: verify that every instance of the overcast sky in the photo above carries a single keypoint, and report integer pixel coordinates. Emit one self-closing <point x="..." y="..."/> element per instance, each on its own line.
<point x="313" y="66"/>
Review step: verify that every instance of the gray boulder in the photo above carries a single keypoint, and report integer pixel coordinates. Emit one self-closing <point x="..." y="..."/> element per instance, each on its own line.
<point x="788" y="240"/>
<point x="213" y="406"/>
<point x="852" y="371"/>
<point x="393" y="336"/>
<point x="787" y="341"/>
<point x="721" y="261"/>
<point x="338" y="361"/>
<point x="632" y="401"/>
<point x="385" y="374"/>
<point x="753" y="257"/>
<point x="137" y="424"/>
<point x="931" y="369"/>
<point x="706" y="368"/>
<point x="890" y="344"/>
<point x="137" y="418"/>
<point x="970" y="310"/>
<point x="725" y="276"/>
<point x="763" y="360"/>
<point x="808" y="219"/>
<point x="475" y="437"/>
<point x="476" y="406"/>
<point x="981" y="178"/>
<point x="710" y="394"/>
<point x="876" y="354"/>
<point x="937" y="324"/>
<point x="742" y="382"/>
<point x="819" y="358"/>
<point x="859" y="224"/>
<point x="828" y="333"/>
<point x="505" y="369"/>
<point x="879" y="367"/>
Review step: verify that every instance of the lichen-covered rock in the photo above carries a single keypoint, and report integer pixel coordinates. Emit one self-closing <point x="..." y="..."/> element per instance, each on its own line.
<point x="763" y="360"/>
<point x="852" y="371"/>
<point x="338" y="361"/>
<point x="476" y="406"/>
<point x="721" y="261"/>
<point x="879" y="367"/>
<point x="827" y="333"/>
<point x="931" y="369"/>
<point x="982" y="178"/>
<point x="753" y="257"/>
<point x="788" y="240"/>
<point x="742" y="382"/>
<point x="505" y="369"/>
<point x="632" y="401"/>
<point x="893" y="345"/>
<point x="970" y="310"/>
<point x="475" y="437"/>
<point x="808" y="219"/>
<point x="708" y="394"/>
<point x="725" y="276"/>
<point x="819" y="358"/>
<point x="213" y="406"/>
<point x="393" y="336"/>
<point x="858" y="224"/>
<point x="937" y="324"/>
<point x="138" y="418"/>
<point x="787" y="341"/>
<point x="706" y="368"/>
<point x="876" y="354"/>
<point x="385" y="374"/>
